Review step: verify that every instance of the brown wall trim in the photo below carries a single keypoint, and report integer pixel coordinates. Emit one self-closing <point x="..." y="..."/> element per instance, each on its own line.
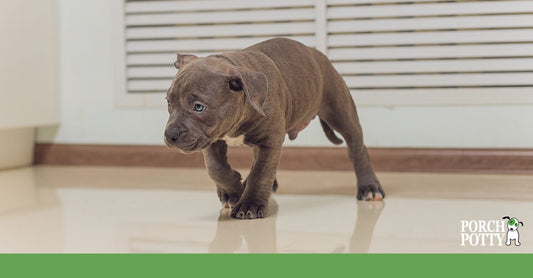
<point x="296" y="158"/>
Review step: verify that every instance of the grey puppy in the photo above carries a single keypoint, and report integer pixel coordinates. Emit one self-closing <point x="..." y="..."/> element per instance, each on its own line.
<point x="262" y="92"/>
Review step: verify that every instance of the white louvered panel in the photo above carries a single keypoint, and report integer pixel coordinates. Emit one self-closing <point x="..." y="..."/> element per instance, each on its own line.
<point x="430" y="9"/>
<point x="443" y="96"/>
<point x="416" y="49"/>
<point x="138" y="59"/>
<point x="189" y="45"/>
<point x="149" y="85"/>
<point x="443" y="37"/>
<point x="366" y="2"/>
<point x="157" y="30"/>
<point x="183" y="6"/>
<point x="431" y="23"/>
<point x="220" y="30"/>
<point x="432" y="80"/>
<point x="440" y="80"/>
<point x="390" y="52"/>
<point x="432" y="52"/>
<point x="152" y="72"/>
<point x="219" y="17"/>
<point x="353" y="68"/>
<point x="434" y="66"/>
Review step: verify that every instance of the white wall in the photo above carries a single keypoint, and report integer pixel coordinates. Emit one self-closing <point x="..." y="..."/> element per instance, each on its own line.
<point x="29" y="76"/>
<point x="88" y="81"/>
<point x="29" y="63"/>
<point x="89" y="116"/>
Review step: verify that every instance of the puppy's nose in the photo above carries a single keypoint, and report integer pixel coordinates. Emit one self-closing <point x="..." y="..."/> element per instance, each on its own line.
<point x="172" y="134"/>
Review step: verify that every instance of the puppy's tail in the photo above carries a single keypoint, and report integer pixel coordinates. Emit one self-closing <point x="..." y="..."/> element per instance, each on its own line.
<point x="330" y="134"/>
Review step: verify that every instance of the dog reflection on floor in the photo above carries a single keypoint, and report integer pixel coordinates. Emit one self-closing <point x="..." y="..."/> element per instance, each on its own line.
<point x="367" y="215"/>
<point x="260" y="234"/>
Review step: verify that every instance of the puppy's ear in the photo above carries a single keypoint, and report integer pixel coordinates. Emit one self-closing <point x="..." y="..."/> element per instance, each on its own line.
<point x="506" y="217"/>
<point x="521" y="223"/>
<point x="253" y="83"/>
<point x="183" y="59"/>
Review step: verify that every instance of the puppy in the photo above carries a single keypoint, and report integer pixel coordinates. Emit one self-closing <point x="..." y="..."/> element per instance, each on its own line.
<point x="512" y="230"/>
<point x="263" y="92"/>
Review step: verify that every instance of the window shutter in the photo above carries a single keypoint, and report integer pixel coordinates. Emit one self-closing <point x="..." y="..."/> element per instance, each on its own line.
<point x="433" y="52"/>
<point x="157" y="30"/>
<point x="390" y="52"/>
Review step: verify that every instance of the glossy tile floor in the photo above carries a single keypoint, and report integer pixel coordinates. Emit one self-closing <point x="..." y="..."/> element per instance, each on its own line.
<point x="112" y="209"/>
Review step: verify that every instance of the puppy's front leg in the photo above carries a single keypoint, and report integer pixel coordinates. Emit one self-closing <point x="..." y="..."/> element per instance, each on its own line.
<point x="254" y="201"/>
<point x="228" y="181"/>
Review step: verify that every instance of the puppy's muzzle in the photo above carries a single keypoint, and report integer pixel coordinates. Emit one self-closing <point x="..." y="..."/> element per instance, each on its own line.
<point x="172" y="134"/>
<point x="176" y="137"/>
<point x="181" y="139"/>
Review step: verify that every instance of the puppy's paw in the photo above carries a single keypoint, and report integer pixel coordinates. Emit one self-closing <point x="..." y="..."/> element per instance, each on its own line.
<point x="249" y="210"/>
<point x="370" y="192"/>
<point x="228" y="199"/>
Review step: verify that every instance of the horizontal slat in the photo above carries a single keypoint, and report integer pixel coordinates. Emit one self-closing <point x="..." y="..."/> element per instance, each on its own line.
<point x="422" y="66"/>
<point x="421" y="52"/>
<point x="269" y="29"/>
<point x="443" y="66"/>
<point x="443" y="80"/>
<point x="442" y="37"/>
<point x="440" y="80"/>
<point x="181" y="6"/>
<point x="202" y="44"/>
<point x="151" y="59"/>
<point x="443" y="96"/>
<point x="431" y="9"/>
<point x="403" y="24"/>
<point x="433" y="52"/>
<point x="149" y="85"/>
<point x="158" y="58"/>
<point x="437" y="96"/>
<point x="365" y="2"/>
<point x="221" y="17"/>
<point x="410" y="97"/>
<point x="152" y="72"/>
<point x="152" y="96"/>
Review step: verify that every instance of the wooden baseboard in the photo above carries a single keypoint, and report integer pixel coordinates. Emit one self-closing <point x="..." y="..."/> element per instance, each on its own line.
<point x="296" y="158"/>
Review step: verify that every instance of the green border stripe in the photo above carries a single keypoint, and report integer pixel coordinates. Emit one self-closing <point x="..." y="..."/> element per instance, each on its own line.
<point x="258" y="265"/>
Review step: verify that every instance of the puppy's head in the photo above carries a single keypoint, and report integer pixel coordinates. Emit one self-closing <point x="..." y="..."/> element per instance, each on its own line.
<point x="206" y="100"/>
<point x="512" y="223"/>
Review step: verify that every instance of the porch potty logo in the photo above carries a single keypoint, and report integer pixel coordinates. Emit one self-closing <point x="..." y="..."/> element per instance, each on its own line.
<point x="491" y="232"/>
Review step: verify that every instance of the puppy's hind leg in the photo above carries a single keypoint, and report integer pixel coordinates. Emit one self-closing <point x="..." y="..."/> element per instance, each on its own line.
<point x="227" y="180"/>
<point x="338" y="112"/>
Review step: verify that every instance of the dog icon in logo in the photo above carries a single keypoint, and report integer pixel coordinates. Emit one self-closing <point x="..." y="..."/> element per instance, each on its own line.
<point x="512" y="230"/>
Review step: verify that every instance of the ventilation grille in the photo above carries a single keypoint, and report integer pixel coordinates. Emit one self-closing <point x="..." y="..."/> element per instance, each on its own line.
<point x="157" y="30"/>
<point x="432" y="51"/>
<point x="389" y="51"/>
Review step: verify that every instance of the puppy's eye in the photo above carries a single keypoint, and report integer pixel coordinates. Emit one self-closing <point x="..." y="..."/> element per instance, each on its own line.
<point x="198" y="107"/>
<point x="168" y="101"/>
